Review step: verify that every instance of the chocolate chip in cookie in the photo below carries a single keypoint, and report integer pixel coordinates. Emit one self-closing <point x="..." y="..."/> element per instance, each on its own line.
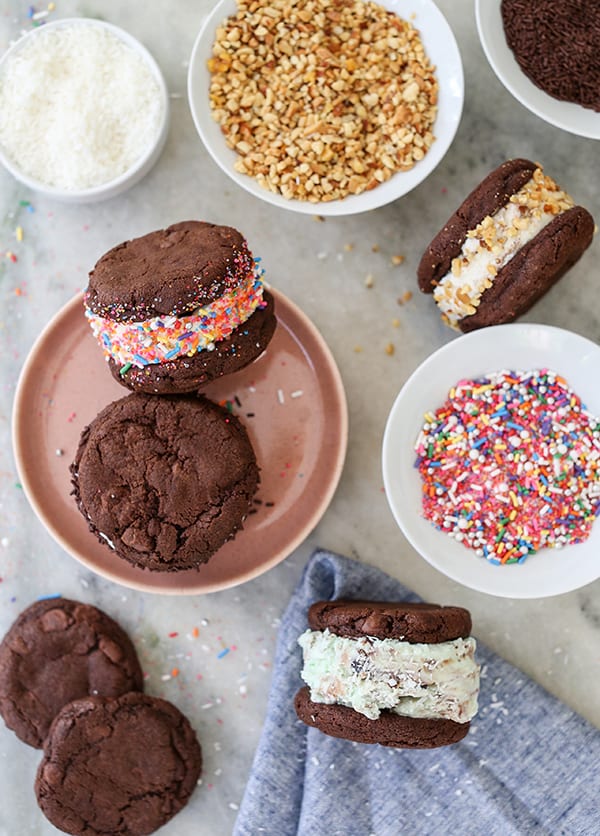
<point x="165" y="482"/>
<point x="57" y="651"/>
<point x="121" y="766"/>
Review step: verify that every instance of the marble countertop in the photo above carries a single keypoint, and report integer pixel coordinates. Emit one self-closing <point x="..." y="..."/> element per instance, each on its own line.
<point x="321" y="266"/>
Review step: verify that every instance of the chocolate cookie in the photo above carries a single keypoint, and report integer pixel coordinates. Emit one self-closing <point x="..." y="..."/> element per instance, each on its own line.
<point x="512" y="238"/>
<point x="429" y="623"/>
<point x="398" y="674"/>
<point x="179" y="307"/>
<point x="121" y="766"/>
<point x="57" y="651"/>
<point x="166" y="481"/>
<point x="389" y="729"/>
<point x="555" y="42"/>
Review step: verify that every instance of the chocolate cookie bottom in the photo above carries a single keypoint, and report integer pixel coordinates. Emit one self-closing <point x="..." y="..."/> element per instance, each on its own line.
<point x="389" y="729"/>
<point x="190" y="374"/>
<point x="533" y="270"/>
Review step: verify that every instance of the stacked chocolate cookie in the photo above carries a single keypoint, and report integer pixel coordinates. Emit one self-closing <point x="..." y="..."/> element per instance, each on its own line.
<point x="165" y="481"/>
<point x="115" y="760"/>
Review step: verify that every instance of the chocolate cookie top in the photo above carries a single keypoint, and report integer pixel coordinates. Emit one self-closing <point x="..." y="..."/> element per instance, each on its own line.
<point x="165" y="480"/>
<point x="122" y="766"/>
<point x="57" y="651"/>
<point x="487" y="198"/>
<point x="414" y="623"/>
<point x="168" y="271"/>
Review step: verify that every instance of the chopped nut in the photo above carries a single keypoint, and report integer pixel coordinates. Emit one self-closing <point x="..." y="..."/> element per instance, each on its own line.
<point x="322" y="98"/>
<point x="389" y="349"/>
<point x="375" y="248"/>
<point x="395" y="323"/>
<point x="397" y="259"/>
<point x="358" y="349"/>
<point x="369" y="280"/>
<point x="411" y="92"/>
<point x="348" y="247"/>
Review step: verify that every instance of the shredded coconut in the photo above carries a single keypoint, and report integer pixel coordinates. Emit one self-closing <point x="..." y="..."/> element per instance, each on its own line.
<point x="78" y="106"/>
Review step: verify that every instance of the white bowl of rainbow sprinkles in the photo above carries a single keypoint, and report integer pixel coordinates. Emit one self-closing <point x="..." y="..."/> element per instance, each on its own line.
<point x="491" y="460"/>
<point x="84" y="110"/>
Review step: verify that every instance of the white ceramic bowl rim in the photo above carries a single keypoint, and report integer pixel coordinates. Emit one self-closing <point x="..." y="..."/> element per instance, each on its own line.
<point x="441" y="48"/>
<point x="521" y="346"/>
<point x="109" y="185"/>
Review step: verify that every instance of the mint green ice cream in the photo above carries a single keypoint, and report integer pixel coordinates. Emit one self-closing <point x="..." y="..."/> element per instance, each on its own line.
<point x="369" y="675"/>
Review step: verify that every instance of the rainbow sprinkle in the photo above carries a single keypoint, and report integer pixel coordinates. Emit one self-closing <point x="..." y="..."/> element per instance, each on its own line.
<point x="510" y="464"/>
<point x="164" y="338"/>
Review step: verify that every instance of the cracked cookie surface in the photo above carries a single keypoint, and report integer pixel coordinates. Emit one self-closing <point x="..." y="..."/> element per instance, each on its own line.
<point x="57" y="651"/>
<point x="120" y="766"/>
<point x="164" y="481"/>
<point x="174" y="269"/>
<point x="418" y="622"/>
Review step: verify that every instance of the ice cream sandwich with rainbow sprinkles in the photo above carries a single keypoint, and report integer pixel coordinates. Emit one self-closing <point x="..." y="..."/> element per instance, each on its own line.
<point x="179" y="307"/>
<point x="504" y="247"/>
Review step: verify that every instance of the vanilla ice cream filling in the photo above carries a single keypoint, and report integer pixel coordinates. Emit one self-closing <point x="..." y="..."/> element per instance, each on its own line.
<point x="370" y="675"/>
<point x="492" y="244"/>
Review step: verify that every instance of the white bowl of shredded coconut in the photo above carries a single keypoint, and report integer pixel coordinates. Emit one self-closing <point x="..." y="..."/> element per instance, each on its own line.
<point x="84" y="110"/>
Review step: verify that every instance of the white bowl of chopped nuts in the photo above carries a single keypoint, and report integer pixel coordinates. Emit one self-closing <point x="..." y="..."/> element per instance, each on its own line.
<point x="326" y="108"/>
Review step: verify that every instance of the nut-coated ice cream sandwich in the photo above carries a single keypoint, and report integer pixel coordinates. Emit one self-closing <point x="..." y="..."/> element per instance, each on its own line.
<point x="504" y="247"/>
<point x="398" y="674"/>
<point x="179" y="307"/>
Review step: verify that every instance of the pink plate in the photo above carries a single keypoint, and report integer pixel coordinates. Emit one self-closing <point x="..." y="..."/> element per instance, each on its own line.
<point x="291" y="401"/>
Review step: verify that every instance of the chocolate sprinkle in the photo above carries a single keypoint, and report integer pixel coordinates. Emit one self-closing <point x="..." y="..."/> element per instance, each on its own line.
<point x="557" y="45"/>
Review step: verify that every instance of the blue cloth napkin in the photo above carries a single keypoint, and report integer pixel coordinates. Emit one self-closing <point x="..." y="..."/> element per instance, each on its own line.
<point x="529" y="764"/>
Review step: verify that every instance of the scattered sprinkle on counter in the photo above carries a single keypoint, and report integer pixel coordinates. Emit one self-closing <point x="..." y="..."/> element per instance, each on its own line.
<point x="510" y="464"/>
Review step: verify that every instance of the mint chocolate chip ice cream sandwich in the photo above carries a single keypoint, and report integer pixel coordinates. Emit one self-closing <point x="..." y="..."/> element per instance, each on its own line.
<point x="398" y="674"/>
